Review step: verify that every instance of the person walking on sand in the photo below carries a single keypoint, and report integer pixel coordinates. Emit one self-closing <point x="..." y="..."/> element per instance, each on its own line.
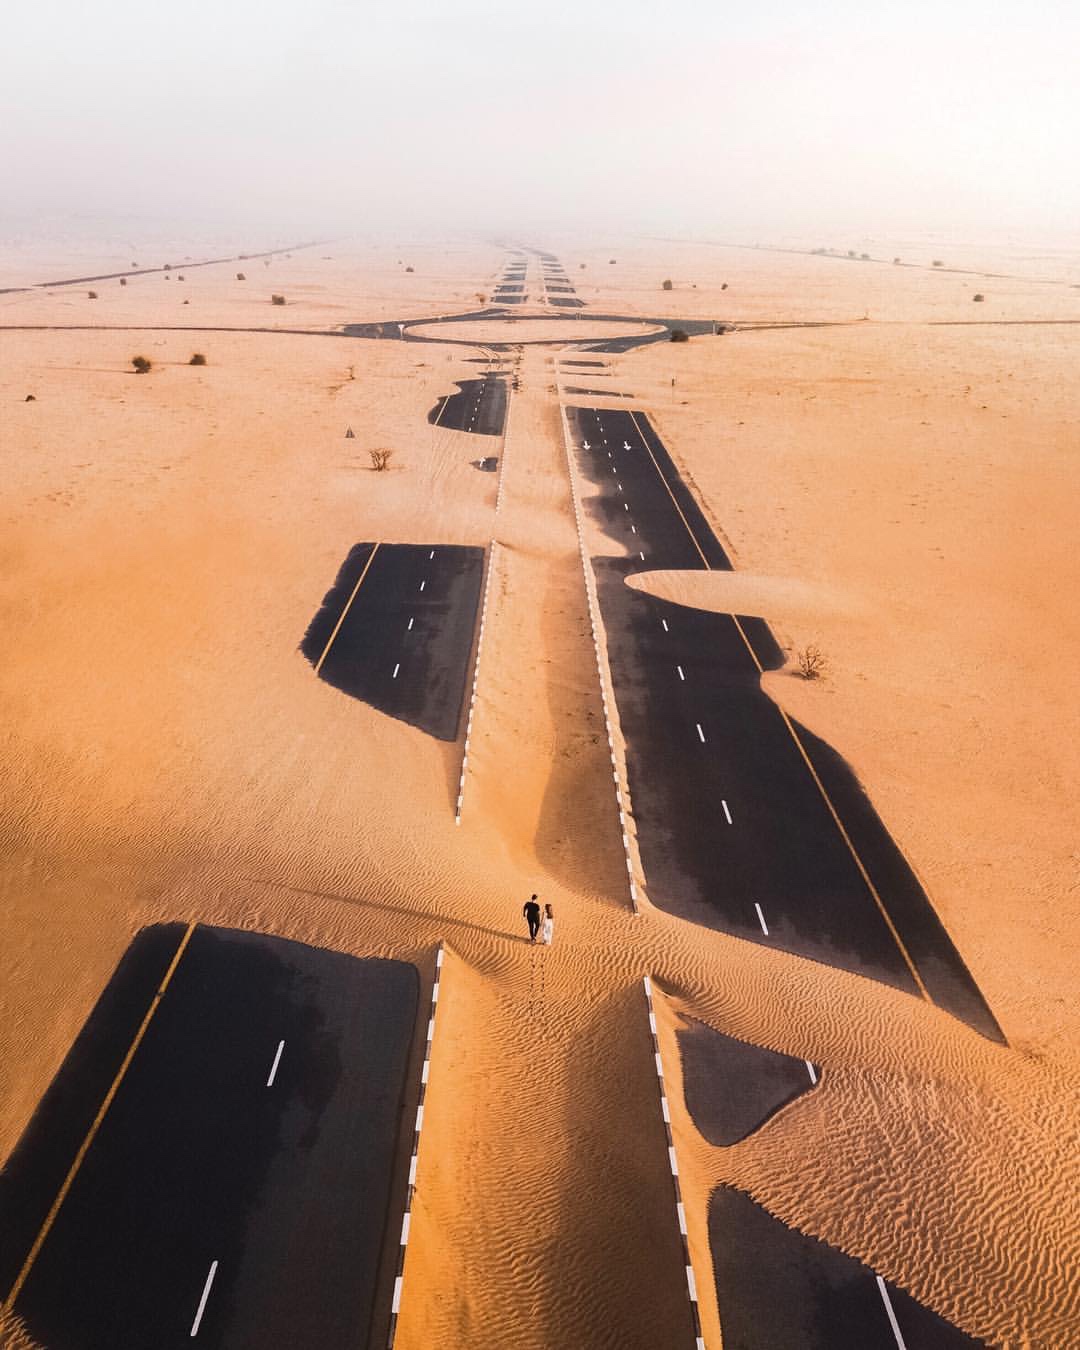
<point x="531" y="911"/>
<point x="548" y="931"/>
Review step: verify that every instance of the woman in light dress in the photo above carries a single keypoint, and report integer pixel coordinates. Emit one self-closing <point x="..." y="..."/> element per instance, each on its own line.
<point x="547" y="929"/>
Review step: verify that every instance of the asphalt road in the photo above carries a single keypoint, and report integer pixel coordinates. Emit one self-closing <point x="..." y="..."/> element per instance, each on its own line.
<point x="479" y="407"/>
<point x="731" y="1087"/>
<point x="236" y="1193"/>
<point x="778" y="1289"/>
<point x="735" y="823"/>
<point x="396" y="631"/>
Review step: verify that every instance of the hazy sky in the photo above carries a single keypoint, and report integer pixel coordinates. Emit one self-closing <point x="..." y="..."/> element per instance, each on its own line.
<point x="722" y="119"/>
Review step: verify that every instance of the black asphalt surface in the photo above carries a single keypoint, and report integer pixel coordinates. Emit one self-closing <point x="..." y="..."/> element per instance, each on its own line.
<point x="479" y="406"/>
<point x="565" y="302"/>
<point x="198" y="1160"/>
<point x="778" y="1289"/>
<point x="731" y="1087"/>
<point x="705" y="743"/>
<point x="405" y="643"/>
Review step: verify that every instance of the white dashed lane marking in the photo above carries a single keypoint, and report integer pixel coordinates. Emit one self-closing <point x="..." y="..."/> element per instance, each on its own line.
<point x="396" y="669"/>
<point x="812" y="1072"/>
<point x="205" y="1296"/>
<point x="701" y="734"/>
<point x="274" y="1066"/>
<point x="761" y="919"/>
<point x="889" y="1310"/>
<point x="680" y="670"/>
<point x="727" y="813"/>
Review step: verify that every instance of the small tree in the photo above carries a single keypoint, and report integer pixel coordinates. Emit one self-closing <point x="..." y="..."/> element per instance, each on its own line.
<point x="197" y="360"/>
<point x="91" y="295"/>
<point x="380" y="459"/>
<point x="123" y="281"/>
<point x="410" y="269"/>
<point x="277" y="299"/>
<point x="680" y="335"/>
<point x="666" y="285"/>
<point x="980" y="296"/>
<point x="142" y="365"/>
<point x="811" y="661"/>
<point x="241" y="277"/>
<point x="938" y="262"/>
<point x="611" y="262"/>
<point x="724" y="286"/>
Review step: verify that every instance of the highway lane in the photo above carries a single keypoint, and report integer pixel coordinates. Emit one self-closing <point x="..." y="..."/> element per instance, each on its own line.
<point x="254" y="1133"/>
<point x="396" y="631"/>
<point x="479" y="407"/>
<point x="745" y="822"/>
<point x="778" y="1289"/>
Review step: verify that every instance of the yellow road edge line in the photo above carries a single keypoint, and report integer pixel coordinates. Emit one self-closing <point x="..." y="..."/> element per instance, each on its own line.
<point x="908" y="961"/>
<point x="348" y="606"/>
<point x="84" y="1147"/>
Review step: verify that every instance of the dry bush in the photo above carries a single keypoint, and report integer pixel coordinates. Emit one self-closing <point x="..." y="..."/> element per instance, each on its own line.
<point x="197" y="360"/>
<point x="380" y="459"/>
<point x="938" y="262"/>
<point x="277" y="299"/>
<point x="978" y="297"/>
<point x="91" y="295"/>
<point x="680" y="335"/>
<point x="142" y="365"/>
<point x="666" y="285"/>
<point x="811" y="661"/>
<point x="241" y="277"/>
<point x="123" y="281"/>
<point x="410" y="269"/>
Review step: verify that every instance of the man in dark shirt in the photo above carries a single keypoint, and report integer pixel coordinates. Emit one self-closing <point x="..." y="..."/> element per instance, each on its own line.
<point x="532" y="915"/>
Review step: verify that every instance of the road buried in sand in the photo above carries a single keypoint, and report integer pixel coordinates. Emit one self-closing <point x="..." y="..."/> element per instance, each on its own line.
<point x="236" y="1185"/>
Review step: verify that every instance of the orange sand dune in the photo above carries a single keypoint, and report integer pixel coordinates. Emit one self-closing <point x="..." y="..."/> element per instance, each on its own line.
<point x="169" y="754"/>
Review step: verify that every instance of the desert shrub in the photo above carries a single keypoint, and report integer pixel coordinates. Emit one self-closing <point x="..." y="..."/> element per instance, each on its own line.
<point x="410" y="269"/>
<point x="197" y="360"/>
<point x="665" y="285"/>
<point x="168" y="267"/>
<point x="811" y="661"/>
<point x="724" y="286"/>
<point x="123" y="281"/>
<point x="277" y="299"/>
<point x="380" y="459"/>
<point x="30" y="398"/>
<point x="680" y="335"/>
<point x="91" y="295"/>
<point x="851" y="253"/>
<point x="980" y="296"/>
<point x="611" y="262"/>
<point x="864" y="256"/>
<point x="179" y="276"/>
<point x="241" y="277"/>
<point x="142" y="364"/>
<point x="938" y="262"/>
<point x="582" y="266"/>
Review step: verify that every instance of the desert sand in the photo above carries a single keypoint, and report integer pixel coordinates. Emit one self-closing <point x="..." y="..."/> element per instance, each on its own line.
<point x="898" y="488"/>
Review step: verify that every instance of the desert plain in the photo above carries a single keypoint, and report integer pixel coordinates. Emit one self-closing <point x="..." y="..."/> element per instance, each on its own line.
<point x="895" y="470"/>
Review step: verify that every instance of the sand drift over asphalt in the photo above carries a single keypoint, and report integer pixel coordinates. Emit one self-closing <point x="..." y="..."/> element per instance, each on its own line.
<point x="531" y="330"/>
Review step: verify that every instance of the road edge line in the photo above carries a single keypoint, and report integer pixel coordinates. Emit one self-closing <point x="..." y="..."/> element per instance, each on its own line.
<point x="621" y="795"/>
<point x="475" y="683"/>
<point x="680" y="1212"/>
<point x="406" y="1218"/>
<point x="91" y="1134"/>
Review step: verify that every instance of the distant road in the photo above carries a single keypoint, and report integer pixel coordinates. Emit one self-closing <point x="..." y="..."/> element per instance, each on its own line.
<point x="165" y="267"/>
<point x="746" y="822"/>
<point x="235" y="1194"/>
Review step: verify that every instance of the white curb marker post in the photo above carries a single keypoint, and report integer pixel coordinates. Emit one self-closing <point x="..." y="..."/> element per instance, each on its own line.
<point x="593" y="611"/>
<point x="691" y="1283"/>
<point x="406" y="1220"/>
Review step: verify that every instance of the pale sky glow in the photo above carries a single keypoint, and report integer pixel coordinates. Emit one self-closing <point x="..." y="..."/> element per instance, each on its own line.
<point x="705" y="117"/>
